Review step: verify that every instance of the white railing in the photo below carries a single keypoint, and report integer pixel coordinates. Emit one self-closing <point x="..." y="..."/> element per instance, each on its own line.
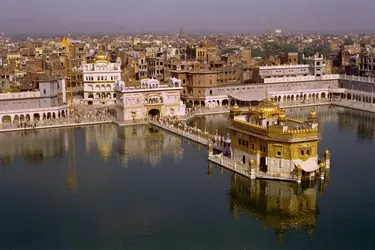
<point x="285" y="66"/>
<point x="204" y="140"/>
<point x="20" y="95"/>
<point x="289" y="79"/>
<point x="230" y="164"/>
<point x="357" y="78"/>
<point x="330" y="77"/>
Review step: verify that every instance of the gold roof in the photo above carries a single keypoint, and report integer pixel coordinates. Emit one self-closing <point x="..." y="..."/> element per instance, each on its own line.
<point x="312" y="114"/>
<point x="101" y="56"/>
<point x="236" y="107"/>
<point x="266" y="108"/>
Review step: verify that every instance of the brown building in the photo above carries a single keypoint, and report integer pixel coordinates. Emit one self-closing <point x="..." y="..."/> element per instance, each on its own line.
<point x="195" y="83"/>
<point x="270" y="61"/>
<point x="227" y="74"/>
<point x="290" y="58"/>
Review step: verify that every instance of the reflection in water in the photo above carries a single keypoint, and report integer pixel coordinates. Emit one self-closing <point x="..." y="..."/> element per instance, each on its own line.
<point x="101" y="136"/>
<point x="33" y="146"/>
<point x="213" y="123"/>
<point x="72" y="171"/>
<point x="276" y="204"/>
<point x="361" y="122"/>
<point x="147" y="143"/>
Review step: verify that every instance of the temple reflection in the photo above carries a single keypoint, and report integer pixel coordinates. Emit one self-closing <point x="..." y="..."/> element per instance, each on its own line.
<point x="277" y="205"/>
<point x="33" y="146"/>
<point x="148" y="144"/>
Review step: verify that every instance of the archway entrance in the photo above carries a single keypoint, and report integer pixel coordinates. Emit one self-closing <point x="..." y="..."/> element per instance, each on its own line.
<point x="154" y="112"/>
<point x="6" y="119"/>
<point x="263" y="165"/>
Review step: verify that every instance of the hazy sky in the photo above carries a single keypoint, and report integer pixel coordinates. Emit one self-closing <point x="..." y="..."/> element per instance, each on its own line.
<point x="59" y="16"/>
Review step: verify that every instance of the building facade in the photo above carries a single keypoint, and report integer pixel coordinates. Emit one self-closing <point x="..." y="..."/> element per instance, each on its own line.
<point x="48" y="102"/>
<point x="99" y="79"/>
<point x="367" y="62"/>
<point x="135" y="104"/>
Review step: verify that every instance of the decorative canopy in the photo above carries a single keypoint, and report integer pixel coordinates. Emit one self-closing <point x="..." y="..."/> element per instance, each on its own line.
<point x="101" y="56"/>
<point x="266" y="108"/>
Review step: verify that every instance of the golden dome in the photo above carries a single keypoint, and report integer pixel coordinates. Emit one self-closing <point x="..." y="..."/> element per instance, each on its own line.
<point x="282" y="117"/>
<point x="101" y="56"/>
<point x="267" y="108"/>
<point x="236" y="107"/>
<point x="312" y="113"/>
<point x="326" y="152"/>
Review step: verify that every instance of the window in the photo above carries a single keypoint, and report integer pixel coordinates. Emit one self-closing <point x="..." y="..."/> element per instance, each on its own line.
<point x="210" y="92"/>
<point x="247" y="144"/>
<point x="252" y="146"/>
<point x="307" y="152"/>
<point x="239" y="141"/>
<point x="278" y="153"/>
<point x="44" y="91"/>
<point x="302" y="152"/>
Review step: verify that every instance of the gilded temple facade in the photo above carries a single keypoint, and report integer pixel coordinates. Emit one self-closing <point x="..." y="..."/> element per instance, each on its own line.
<point x="275" y="146"/>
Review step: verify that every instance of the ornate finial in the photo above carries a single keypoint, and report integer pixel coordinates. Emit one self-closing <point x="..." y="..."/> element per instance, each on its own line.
<point x="266" y="94"/>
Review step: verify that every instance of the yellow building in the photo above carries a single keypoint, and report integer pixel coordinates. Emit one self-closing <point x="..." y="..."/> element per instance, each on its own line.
<point x="201" y="54"/>
<point x="136" y="41"/>
<point x="276" y="146"/>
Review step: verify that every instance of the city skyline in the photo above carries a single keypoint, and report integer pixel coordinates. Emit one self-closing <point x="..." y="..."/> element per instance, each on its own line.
<point x="46" y="17"/>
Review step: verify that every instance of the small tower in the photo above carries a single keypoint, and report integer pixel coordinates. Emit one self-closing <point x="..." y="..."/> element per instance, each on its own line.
<point x="235" y="110"/>
<point x="327" y="159"/>
<point x="210" y="149"/>
<point x="312" y="120"/>
<point x="281" y="120"/>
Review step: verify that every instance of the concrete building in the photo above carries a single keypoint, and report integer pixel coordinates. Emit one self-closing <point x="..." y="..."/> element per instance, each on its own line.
<point x="313" y="66"/>
<point x="151" y="99"/>
<point x="48" y="102"/>
<point x="99" y="80"/>
<point x="290" y="58"/>
<point x="155" y="67"/>
<point x="316" y="64"/>
<point x="367" y="61"/>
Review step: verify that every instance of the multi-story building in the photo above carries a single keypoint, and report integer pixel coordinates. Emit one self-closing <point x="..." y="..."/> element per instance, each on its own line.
<point x="142" y="68"/>
<point x="49" y="101"/>
<point x="155" y="67"/>
<point x="314" y="66"/>
<point x="367" y="61"/>
<point x="99" y="80"/>
<point x="290" y="58"/>
<point x="135" y="104"/>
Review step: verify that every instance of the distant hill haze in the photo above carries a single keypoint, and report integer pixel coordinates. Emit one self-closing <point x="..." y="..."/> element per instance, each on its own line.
<point x="238" y="16"/>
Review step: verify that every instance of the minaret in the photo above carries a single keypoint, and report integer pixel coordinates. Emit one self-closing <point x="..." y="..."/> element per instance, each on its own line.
<point x="181" y="34"/>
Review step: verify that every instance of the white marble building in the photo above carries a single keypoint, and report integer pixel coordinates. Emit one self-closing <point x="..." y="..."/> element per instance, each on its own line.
<point x="99" y="79"/>
<point x="135" y="104"/>
<point x="48" y="102"/>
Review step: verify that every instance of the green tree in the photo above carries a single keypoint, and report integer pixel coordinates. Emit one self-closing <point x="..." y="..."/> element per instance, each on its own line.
<point x="257" y="52"/>
<point x="321" y="49"/>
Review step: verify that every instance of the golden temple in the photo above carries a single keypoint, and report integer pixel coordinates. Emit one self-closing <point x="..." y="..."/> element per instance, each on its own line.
<point x="277" y="146"/>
